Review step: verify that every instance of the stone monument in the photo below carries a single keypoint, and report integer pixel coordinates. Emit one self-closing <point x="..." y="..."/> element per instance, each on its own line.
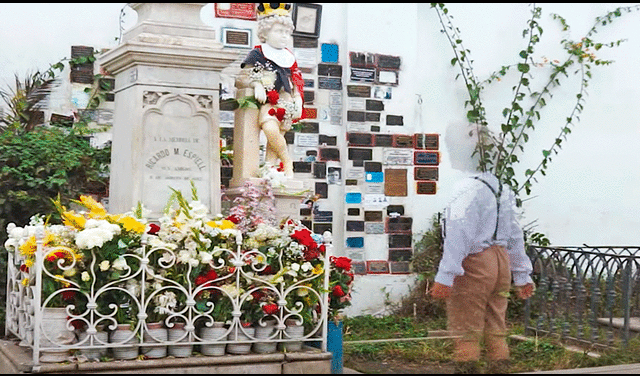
<point x="166" y="111"/>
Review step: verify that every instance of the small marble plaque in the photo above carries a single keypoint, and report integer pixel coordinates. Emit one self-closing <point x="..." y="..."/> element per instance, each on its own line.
<point x="329" y="154"/>
<point x="327" y="140"/>
<point x="397" y="157"/>
<point x="353" y="211"/>
<point x="363" y="154"/>
<point x="400" y="267"/>
<point x="372" y="116"/>
<point x="373" y="228"/>
<point x="355" y="173"/>
<point x="356" y="226"/>
<point x="364" y="75"/>
<point x="350" y="181"/>
<point x="399" y="225"/>
<point x="362" y="59"/>
<point x="299" y="166"/>
<point x="395" y="120"/>
<point x="403" y="141"/>
<point x="360" y="91"/>
<point x="373" y="216"/>
<point x="374" y="105"/>
<point x="360" y="139"/>
<point x="320" y="228"/>
<point x="388" y="61"/>
<point x="306" y="139"/>
<point x="384" y="140"/>
<point x="358" y="267"/>
<point x="319" y="170"/>
<point x="376" y="188"/>
<point x="357" y="116"/>
<point x="330" y="83"/>
<point x="330" y="70"/>
<point x="373" y="167"/>
<point x="322" y="189"/>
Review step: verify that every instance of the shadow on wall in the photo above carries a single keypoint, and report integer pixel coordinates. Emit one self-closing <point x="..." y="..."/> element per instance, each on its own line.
<point x="460" y="146"/>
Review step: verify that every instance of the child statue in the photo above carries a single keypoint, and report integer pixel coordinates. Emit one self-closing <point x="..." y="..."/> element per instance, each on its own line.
<point x="272" y="71"/>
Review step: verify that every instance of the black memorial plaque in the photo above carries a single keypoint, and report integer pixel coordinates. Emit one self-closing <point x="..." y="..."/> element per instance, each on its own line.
<point x="306" y="223"/>
<point x="319" y="170"/>
<point x="358" y="163"/>
<point x="377" y="267"/>
<point x="372" y="166"/>
<point x="399" y="225"/>
<point x="431" y="158"/>
<point x="290" y="137"/>
<point x="400" y="267"/>
<point x="360" y="139"/>
<point x="395" y="120"/>
<point x="311" y="153"/>
<point x="403" y="141"/>
<point x="374" y="105"/>
<point x="372" y="116"/>
<point x="304" y="42"/>
<point x="323" y="216"/>
<point x="388" y="62"/>
<point x="309" y="127"/>
<point x="357" y="226"/>
<point x="322" y="189"/>
<point x="375" y="128"/>
<point x="356" y="116"/>
<point x="364" y="75"/>
<point x="353" y="211"/>
<point x="351" y="182"/>
<point x="329" y="70"/>
<point x="358" y="267"/>
<point x="327" y="140"/>
<point x="330" y="83"/>
<point x="329" y="154"/>
<point x="362" y="59"/>
<point x="384" y="140"/>
<point x="426" y="141"/>
<point x="359" y="91"/>
<point x="309" y="97"/>
<point x="320" y="228"/>
<point x="305" y="211"/>
<point x="309" y="83"/>
<point x="400" y="254"/>
<point x="299" y="166"/>
<point x="361" y="154"/>
<point x="395" y="209"/>
<point x="425" y="173"/>
<point x="399" y="241"/>
<point x="426" y="187"/>
<point x="372" y="216"/>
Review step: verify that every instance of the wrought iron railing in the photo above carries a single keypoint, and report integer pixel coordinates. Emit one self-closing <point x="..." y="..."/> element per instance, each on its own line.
<point x="27" y="309"/>
<point x="585" y="294"/>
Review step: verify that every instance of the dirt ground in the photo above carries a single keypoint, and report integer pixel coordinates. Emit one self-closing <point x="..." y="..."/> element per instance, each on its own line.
<point x="390" y="366"/>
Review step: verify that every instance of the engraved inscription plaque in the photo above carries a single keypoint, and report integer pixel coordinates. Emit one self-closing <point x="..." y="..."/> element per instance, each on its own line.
<point x="322" y="189"/>
<point x="395" y="182"/>
<point x="364" y="75"/>
<point x="372" y="216"/>
<point x="426" y="158"/>
<point x="425" y="173"/>
<point x="329" y="154"/>
<point x="327" y="140"/>
<point x="362" y="154"/>
<point x="353" y="211"/>
<point x="377" y="267"/>
<point x="359" y="91"/>
<point x="358" y="116"/>
<point x="394" y="120"/>
<point x="358" y="267"/>
<point x="330" y="83"/>
<point x="388" y="61"/>
<point x="374" y="228"/>
<point x="385" y="140"/>
<point x="426" y="141"/>
<point x="399" y="225"/>
<point x="374" y="105"/>
<point x="395" y="209"/>
<point x="330" y="70"/>
<point x="360" y="139"/>
<point x="355" y="226"/>
<point x="399" y="241"/>
<point x="403" y="141"/>
<point x="426" y="187"/>
<point x="320" y="228"/>
<point x="400" y="254"/>
<point x="400" y="267"/>
<point x="299" y="166"/>
<point x="319" y="170"/>
<point x="373" y="167"/>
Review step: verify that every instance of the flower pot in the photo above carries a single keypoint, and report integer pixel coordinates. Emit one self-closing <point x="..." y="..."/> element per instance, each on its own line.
<point x="240" y="348"/>
<point x="100" y="338"/>
<point x="217" y="332"/>
<point x="123" y="335"/>
<point x="155" y="333"/>
<point x="55" y="334"/>
<point x="293" y="330"/>
<point x="263" y="332"/>
<point x="179" y="351"/>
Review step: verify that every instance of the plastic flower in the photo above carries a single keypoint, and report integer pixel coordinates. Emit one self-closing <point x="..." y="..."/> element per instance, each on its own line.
<point x="85" y="276"/>
<point x="104" y="265"/>
<point x="96" y="210"/>
<point x="132" y="224"/>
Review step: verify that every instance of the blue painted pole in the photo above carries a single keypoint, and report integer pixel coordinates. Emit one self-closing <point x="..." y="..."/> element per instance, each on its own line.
<point x="334" y="345"/>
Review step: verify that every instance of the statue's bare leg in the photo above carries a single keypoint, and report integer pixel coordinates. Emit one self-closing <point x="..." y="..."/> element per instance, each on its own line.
<point x="278" y="145"/>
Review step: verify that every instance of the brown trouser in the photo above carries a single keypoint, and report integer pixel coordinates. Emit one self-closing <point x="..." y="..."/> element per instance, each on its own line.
<point x="478" y="305"/>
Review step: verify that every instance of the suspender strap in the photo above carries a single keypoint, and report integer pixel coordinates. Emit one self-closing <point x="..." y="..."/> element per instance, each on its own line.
<point x="497" y="196"/>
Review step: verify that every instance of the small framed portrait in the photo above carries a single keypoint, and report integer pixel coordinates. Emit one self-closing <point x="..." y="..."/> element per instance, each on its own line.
<point x="306" y="19"/>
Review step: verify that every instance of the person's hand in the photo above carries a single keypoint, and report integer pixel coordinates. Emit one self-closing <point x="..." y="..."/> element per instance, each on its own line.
<point x="259" y="92"/>
<point x="440" y="291"/>
<point x="526" y="291"/>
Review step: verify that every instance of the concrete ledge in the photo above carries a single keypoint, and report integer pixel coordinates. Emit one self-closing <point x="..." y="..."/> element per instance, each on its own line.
<point x="16" y="359"/>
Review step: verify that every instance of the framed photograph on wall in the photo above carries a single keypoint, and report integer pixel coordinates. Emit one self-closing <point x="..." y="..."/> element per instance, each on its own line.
<point x="306" y="19"/>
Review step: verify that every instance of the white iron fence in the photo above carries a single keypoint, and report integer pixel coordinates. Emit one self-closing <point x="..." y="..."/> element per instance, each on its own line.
<point x="92" y="316"/>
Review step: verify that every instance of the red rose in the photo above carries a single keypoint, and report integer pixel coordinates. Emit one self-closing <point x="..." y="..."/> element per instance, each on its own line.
<point x="211" y="275"/>
<point x="54" y="256"/>
<point x="257" y="295"/>
<point x="322" y="249"/>
<point x="337" y="291"/>
<point x="68" y="295"/>
<point x="270" y="309"/>
<point x="233" y="218"/>
<point x="278" y="113"/>
<point x="24" y="268"/>
<point x="342" y="263"/>
<point x="304" y="237"/>
<point x="311" y="254"/>
<point x="201" y="280"/>
<point x="281" y="167"/>
<point x="153" y="229"/>
<point x="272" y="97"/>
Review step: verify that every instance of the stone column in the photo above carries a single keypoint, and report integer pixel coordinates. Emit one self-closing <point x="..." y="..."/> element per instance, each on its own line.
<point x="166" y="127"/>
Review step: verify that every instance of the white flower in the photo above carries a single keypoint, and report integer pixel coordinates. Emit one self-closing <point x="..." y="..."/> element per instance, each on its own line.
<point x="302" y="292"/>
<point x="85" y="276"/>
<point x="93" y="237"/>
<point x="133" y="287"/>
<point x="194" y="262"/>
<point x="120" y="263"/>
<point x="295" y="266"/>
<point x="184" y="256"/>
<point x="69" y="272"/>
<point x="306" y="266"/>
<point x="205" y="257"/>
<point x="231" y="290"/>
<point x="104" y="266"/>
<point x="198" y="210"/>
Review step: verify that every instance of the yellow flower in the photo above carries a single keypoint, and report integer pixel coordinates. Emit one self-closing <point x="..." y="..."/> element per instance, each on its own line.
<point x="132" y="224"/>
<point x="28" y="262"/>
<point x="222" y="225"/>
<point x="96" y="210"/>
<point x="317" y="269"/>
<point x="25" y="281"/>
<point x="28" y="248"/>
<point x="70" y="218"/>
<point x="59" y="278"/>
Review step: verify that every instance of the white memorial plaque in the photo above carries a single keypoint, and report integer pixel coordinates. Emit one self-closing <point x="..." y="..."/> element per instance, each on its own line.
<point x="374" y="228"/>
<point x="398" y="156"/>
<point x="355" y="173"/>
<point x="306" y="57"/>
<point x="356" y="127"/>
<point x="356" y="104"/>
<point x="374" y="201"/>
<point x="306" y="139"/>
<point x="374" y="188"/>
<point x="176" y="151"/>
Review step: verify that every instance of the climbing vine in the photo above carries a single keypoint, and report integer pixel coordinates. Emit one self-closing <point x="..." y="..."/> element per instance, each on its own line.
<point x="498" y="152"/>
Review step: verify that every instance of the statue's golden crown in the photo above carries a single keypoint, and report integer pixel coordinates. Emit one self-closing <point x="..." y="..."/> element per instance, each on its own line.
<point x="270" y="9"/>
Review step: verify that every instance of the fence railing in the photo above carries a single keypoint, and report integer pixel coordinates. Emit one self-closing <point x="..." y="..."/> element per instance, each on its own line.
<point x="585" y="294"/>
<point x="91" y="319"/>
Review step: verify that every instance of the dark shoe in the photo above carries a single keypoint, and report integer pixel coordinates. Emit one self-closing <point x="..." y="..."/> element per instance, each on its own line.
<point x="466" y="368"/>
<point x="499" y="366"/>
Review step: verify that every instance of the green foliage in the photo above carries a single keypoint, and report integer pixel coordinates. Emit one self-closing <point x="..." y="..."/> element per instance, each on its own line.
<point x="499" y="152"/>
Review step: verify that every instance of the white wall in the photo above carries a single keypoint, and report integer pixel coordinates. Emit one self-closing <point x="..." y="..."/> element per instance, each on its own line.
<point x="589" y="194"/>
